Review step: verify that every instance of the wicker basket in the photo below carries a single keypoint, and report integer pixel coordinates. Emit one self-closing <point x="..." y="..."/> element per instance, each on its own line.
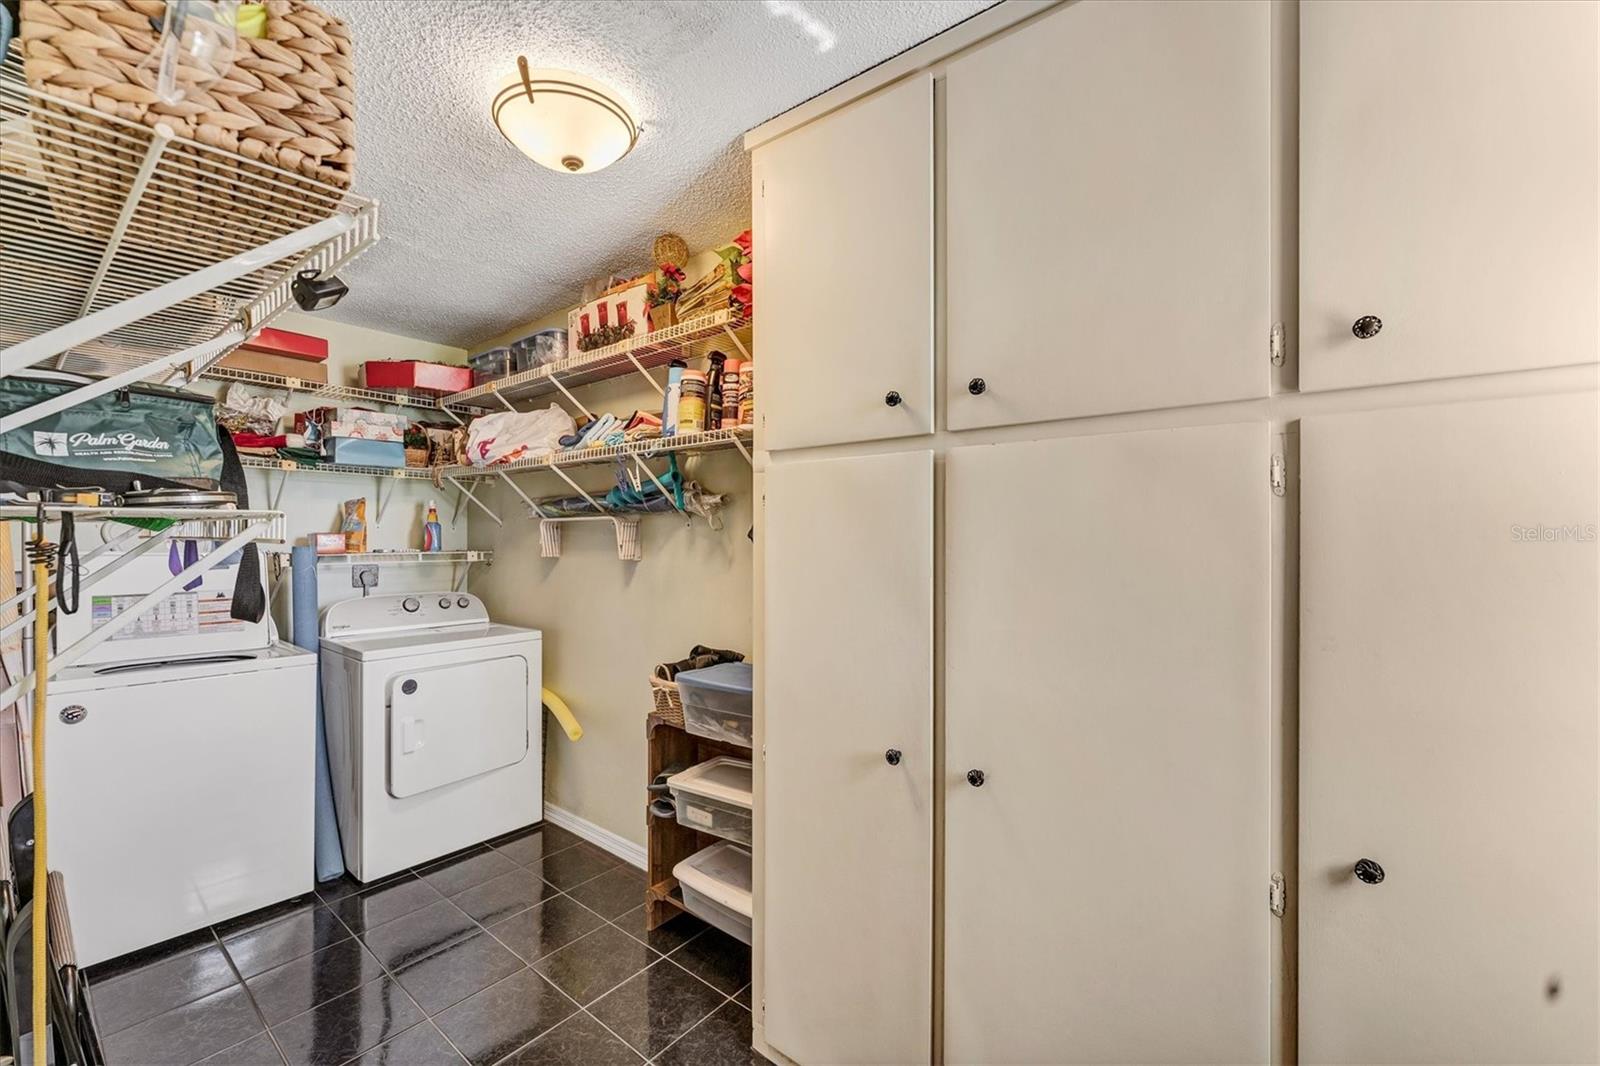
<point x="287" y="103"/>
<point x="669" y="704"/>
<point x="417" y="457"/>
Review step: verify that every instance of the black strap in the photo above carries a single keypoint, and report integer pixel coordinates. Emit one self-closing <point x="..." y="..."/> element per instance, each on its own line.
<point x="68" y="569"/>
<point x="249" y="596"/>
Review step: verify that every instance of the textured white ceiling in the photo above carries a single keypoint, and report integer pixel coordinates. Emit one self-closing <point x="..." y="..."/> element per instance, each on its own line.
<point x="476" y="237"/>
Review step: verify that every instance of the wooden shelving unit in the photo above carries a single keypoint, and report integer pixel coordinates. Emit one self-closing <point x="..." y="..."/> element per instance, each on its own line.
<point x="668" y="843"/>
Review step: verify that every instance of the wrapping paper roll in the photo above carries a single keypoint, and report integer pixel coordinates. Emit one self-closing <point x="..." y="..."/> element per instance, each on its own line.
<point x="330" y="857"/>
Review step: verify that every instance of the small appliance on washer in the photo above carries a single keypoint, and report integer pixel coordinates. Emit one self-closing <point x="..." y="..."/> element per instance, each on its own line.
<point x="433" y="727"/>
<point x="180" y="791"/>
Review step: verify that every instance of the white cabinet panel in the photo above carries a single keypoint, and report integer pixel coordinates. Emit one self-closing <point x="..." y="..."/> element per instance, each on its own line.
<point x="1108" y="210"/>
<point x="848" y="676"/>
<point x="1449" y="695"/>
<point x="1107" y="669"/>
<point x="844" y="244"/>
<point x="1449" y="187"/>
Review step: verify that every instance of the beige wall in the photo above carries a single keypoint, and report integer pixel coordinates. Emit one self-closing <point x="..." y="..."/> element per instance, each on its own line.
<point x="607" y="622"/>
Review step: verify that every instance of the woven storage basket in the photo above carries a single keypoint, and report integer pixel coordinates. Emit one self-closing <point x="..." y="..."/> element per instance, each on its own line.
<point x="287" y="103"/>
<point x="669" y="704"/>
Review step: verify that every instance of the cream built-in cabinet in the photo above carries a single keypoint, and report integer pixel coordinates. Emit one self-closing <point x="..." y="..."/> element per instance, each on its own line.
<point x="1170" y="727"/>
<point x="1107" y="211"/>
<point x="1106" y="771"/>
<point x="844" y="222"/>
<point x="848" y="744"/>
<point x="1449" y="733"/>
<point x="1449" y="168"/>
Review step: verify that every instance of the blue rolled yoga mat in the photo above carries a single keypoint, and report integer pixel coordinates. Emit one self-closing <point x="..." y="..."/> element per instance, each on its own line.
<point x="330" y="857"/>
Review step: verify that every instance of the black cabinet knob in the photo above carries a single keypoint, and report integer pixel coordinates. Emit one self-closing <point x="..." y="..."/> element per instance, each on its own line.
<point x="975" y="778"/>
<point x="977" y="386"/>
<point x="892" y="398"/>
<point x="1367" y="327"/>
<point x="1368" y="872"/>
<point x="892" y="756"/>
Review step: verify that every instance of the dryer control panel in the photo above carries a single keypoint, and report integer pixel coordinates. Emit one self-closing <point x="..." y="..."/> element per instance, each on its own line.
<point x="402" y="611"/>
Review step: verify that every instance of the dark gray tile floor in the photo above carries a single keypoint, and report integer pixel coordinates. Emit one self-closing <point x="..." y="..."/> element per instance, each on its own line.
<point x="526" y="950"/>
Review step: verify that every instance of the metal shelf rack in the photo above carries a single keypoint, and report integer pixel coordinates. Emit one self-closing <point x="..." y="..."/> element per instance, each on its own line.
<point x="319" y="390"/>
<point x="131" y="254"/>
<point x="379" y="474"/>
<point x="228" y="529"/>
<point x="686" y="340"/>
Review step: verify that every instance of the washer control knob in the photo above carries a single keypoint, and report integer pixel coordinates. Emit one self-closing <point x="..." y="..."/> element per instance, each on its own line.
<point x="444" y="601"/>
<point x="462" y="601"/>
<point x="411" y="604"/>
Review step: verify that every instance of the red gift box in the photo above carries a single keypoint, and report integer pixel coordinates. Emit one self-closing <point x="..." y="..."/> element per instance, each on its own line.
<point x="283" y="342"/>
<point x="416" y="375"/>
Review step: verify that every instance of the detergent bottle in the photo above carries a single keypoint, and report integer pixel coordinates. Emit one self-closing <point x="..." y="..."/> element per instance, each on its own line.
<point x="432" y="531"/>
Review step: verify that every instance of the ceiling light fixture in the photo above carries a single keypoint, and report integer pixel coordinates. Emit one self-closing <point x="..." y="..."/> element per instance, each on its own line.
<point x="563" y="120"/>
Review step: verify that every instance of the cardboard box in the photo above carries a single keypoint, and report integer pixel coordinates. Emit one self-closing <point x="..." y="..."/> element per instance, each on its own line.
<point x="287" y="366"/>
<point x="326" y="543"/>
<point x="283" y="342"/>
<point x="353" y="451"/>
<point x="322" y="423"/>
<point x="414" y="374"/>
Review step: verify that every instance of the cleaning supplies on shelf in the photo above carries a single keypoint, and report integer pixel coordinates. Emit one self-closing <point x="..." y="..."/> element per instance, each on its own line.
<point x="747" y="394"/>
<point x="692" y="402"/>
<point x="432" y="530"/>
<point x="732" y="378"/>
<point x="670" y="398"/>
<point x="714" y="385"/>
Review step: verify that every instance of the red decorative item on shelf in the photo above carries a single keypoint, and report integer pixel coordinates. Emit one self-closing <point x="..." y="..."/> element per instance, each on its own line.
<point x="415" y="375"/>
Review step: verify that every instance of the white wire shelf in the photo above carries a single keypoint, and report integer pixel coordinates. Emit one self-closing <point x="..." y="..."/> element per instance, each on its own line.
<point x="261" y="462"/>
<point x="705" y="441"/>
<point x="686" y="340"/>
<point x="323" y="391"/>
<point x="124" y="245"/>
<point x="406" y="555"/>
<point x="198" y="523"/>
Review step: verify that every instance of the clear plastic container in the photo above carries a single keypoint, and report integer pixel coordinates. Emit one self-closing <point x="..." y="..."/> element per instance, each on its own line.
<point x="715" y="797"/>
<point x="716" y="887"/>
<point x="538" y="349"/>
<point x="716" y="702"/>
<point x="490" y="365"/>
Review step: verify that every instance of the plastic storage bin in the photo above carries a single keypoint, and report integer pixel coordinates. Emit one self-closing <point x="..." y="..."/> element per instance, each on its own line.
<point x="537" y="349"/>
<point x="715" y="797"/>
<point x="490" y="365"/>
<point x="716" y="702"/>
<point x="716" y="887"/>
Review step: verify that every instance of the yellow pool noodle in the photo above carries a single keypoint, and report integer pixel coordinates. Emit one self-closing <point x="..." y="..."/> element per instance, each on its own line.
<point x="558" y="707"/>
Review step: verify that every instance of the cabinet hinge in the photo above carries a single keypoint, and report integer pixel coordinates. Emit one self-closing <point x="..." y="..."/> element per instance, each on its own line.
<point x="1277" y="344"/>
<point x="1277" y="895"/>
<point x="1278" y="475"/>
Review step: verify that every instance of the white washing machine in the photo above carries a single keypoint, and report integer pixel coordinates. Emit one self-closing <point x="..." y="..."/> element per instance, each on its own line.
<point x="433" y="727"/>
<point x="180" y="792"/>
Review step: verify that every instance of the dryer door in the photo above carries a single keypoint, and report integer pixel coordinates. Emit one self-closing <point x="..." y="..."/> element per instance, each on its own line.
<point x="451" y="722"/>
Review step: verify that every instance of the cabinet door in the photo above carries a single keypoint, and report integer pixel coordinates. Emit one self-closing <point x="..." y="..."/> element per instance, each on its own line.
<point x="1106" y="669"/>
<point x="1449" y="188"/>
<point x="1108" y="209"/>
<point x="844" y="244"/>
<point x="1448" y="696"/>
<point x="848" y="679"/>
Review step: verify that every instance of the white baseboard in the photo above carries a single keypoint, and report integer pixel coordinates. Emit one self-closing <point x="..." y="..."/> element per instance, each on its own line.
<point x="604" y="839"/>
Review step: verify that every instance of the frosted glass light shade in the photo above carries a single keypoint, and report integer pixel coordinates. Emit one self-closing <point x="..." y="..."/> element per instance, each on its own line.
<point x="562" y="120"/>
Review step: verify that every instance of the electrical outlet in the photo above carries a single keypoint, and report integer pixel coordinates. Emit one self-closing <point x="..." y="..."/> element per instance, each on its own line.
<point x="363" y="577"/>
